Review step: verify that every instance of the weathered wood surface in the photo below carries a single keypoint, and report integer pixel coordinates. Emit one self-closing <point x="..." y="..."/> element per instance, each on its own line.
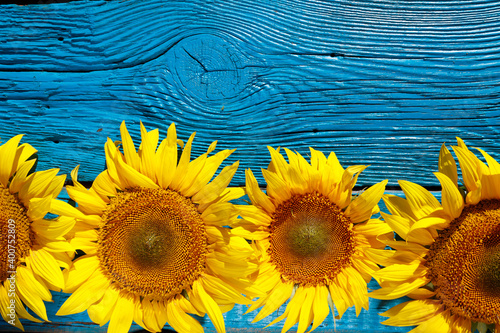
<point x="381" y="82"/>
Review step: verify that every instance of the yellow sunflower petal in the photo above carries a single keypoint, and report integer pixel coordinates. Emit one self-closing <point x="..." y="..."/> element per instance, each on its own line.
<point x="192" y="172"/>
<point x="279" y="295"/>
<point x="320" y="306"/>
<point x="39" y="207"/>
<point x="412" y="312"/>
<point x="306" y="169"/>
<point x="21" y="311"/>
<point x="295" y="306"/>
<point x="339" y="298"/>
<point x="493" y="165"/>
<point x="358" y="289"/>
<point x="425" y="223"/>
<point x="421" y="293"/>
<point x="401" y="290"/>
<point x="20" y="177"/>
<point x="296" y="178"/>
<point x="87" y="294"/>
<point x="62" y="208"/>
<point x="182" y="165"/>
<point x="254" y="215"/>
<point x="399" y="224"/>
<point x="469" y="166"/>
<point x="201" y="180"/>
<point x="82" y="269"/>
<point x="8" y="152"/>
<point x="131" y="177"/>
<point x="103" y="184"/>
<point x="160" y="310"/>
<point x="147" y="152"/>
<point x="32" y="293"/>
<point x="398" y="206"/>
<point x="100" y="312"/>
<point x="217" y="286"/>
<point x="131" y="156"/>
<point x="186" y="306"/>
<point x="55" y="186"/>
<point x="220" y="214"/>
<point x="440" y="322"/>
<point x="280" y="165"/>
<point x="123" y="312"/>
<point x="138" y="313"/>
<point x="451" y="198"/>
<point x="211" y="191"/>
<point x="44" y="264"/>
<point x="334" y="163"/>
<point x="180" y="321"/>
<point x="88" y="203"/>
<point x="401" y="272"/>
<point x="167" y="158"/>
<point x="36" y="184"/>
<point x="361" y="208"/>
<point x="408" y="246"/>
<point x="74" y="178"/>
<point x="111" y="152"/>
<point x="149" y="317"/>
<point x="276" y="187"/>
<point x="209" y="306"/>
<point x="5" y="302"/>
<point x="306" y="312"/>
<point x="343" y="195"/>
<point x="421" y="201"/>
<point x="460" y="324"/>
<point x="372" y="227"/>
<point x="318" y="159"/>
<point x="257" y="197"/>
<point x="447" y="165"/>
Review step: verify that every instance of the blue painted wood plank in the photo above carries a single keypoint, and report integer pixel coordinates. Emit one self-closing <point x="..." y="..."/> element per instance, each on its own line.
<point x="378" y="82"/>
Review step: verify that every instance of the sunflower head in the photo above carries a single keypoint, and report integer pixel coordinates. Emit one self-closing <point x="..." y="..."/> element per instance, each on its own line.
<point x="449" y="261"/>
<point x="32" y="248"/>
<point x="152" y="232"/>
<point x="312" y="236"/>
<point x="153" y="227"/>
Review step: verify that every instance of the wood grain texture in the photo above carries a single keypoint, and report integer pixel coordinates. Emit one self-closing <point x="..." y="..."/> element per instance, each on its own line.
<point x="382" y="83"/>
<point x="379" y="82"/>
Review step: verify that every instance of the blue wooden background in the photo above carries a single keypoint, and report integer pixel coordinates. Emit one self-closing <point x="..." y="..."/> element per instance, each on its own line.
<point x="380" y="82"/>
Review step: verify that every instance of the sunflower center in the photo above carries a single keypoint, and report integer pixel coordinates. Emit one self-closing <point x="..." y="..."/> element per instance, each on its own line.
<point x="16" y="237"/>
<point x="149" y="245"/>
<point x="311" y="239"/>
<point x="153" y="242"/>
<point x="464" y="263"/>
<point x="489" y="272"/>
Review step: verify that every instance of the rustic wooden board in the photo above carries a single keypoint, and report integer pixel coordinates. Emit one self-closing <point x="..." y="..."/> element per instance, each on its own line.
<point x="379" y="82"/>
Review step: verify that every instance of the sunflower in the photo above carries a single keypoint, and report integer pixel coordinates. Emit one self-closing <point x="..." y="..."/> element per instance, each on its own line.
<point x="32" y="248"/>
<point x="153" y="231"/>
<point x="312" y="236"/>
<point x="449" y="262"/>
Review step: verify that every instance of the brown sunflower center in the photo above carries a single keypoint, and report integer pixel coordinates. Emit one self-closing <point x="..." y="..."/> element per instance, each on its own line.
<point x="153" y="242"/>
<point x="464" y="263"/>
<point x="16" y="237"/>
<point x="311" y="239"/>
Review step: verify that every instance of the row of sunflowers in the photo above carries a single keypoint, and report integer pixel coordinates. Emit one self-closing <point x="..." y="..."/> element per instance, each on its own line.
<point x="159" y="239"/>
